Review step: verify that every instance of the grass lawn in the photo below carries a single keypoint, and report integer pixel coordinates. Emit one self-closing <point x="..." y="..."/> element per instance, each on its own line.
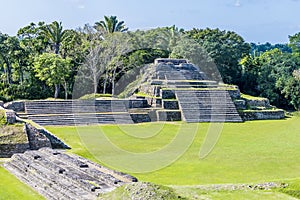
<point x="251" y="152"/>
<point x="12" y="189"/>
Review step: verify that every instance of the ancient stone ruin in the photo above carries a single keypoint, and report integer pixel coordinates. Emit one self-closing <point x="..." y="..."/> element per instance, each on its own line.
<point x="170" y="90"/>
<point x="18" y="137"/>
<point x="57" y="175"/>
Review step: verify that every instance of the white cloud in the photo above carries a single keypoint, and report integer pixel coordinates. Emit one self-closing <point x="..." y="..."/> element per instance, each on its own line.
<point x="237" y="3"/>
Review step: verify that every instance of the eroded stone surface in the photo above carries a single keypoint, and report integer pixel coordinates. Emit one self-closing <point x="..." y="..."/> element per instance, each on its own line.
<point x="57" y="175"/>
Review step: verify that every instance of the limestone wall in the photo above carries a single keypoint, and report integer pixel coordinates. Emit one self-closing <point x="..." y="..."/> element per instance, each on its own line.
<point x="56" y="143"/>
<point x="258" y="103"/>
<point x="140" y="117"/>
<point x="240" y="104"/>
<point x="168" y="94"/>
<point x="235" y="94"/>
<point x="7" y="150"/>
<point x="170" y="104"/>
<point x="36" y="139"/>
<point x="262" y="114"/>
<point x="169" y="115"/>
<point x="17" y="106"/>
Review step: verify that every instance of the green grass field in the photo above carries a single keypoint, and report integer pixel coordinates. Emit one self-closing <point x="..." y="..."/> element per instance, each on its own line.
<point x="13" y="189"/>
<point x="250" y="152"/>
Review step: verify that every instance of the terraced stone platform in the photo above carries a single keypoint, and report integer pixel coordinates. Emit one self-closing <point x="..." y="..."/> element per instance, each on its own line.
<point x="207" y="106"/>
<point x="199" y="98"/>
<point x="77" y="112"/>
<point x="57" y="175"/>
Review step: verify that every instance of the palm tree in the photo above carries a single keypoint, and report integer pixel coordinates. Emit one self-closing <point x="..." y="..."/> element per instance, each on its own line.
<point x="170" y="37"/>
<point x="111" y="25"/>
<point x="55" y="34"/>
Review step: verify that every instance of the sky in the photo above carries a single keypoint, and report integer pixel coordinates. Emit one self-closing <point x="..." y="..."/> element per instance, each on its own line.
<point x="256" y="21"/>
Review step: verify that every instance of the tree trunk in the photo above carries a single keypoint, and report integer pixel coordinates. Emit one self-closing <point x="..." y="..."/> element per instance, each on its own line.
<point x="56" y="48"/>
<point x="113" y="82"/>
<point x="105" y="82"/>
<point x="21" y="73"/>
<point x="95" y="84"/>
<point x="7" y="71"/>
<point x="56" y="91"/>
<point x="66" y="90"/>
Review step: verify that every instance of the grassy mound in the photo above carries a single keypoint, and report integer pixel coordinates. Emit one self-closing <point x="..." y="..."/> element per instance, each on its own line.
<point x="95" y="96"/>
<point x="142" y="190"/>
<point x="11" y="134"/>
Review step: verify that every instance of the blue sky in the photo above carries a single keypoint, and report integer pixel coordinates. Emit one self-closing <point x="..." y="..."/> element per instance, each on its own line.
<point x="255" y="20"/>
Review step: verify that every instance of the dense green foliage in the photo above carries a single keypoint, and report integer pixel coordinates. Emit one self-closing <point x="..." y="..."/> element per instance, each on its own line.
<point x="273" y="75"/>
<point x="105" y="53"/>
<point x="226" y="48"/>
<point x="257" y="49"/>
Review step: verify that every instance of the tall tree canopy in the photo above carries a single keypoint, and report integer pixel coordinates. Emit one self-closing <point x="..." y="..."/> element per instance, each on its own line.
<point x="52" y="69"/>
<point x="226" y="48"/>
<point x="55" y="35"/>
<point x="111" y="24"/>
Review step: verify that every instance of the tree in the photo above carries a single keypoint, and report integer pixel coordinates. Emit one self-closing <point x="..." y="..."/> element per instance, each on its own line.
<point x="111" y="25"/>
<point x="114" y="47"/>
<point x="226" y="48"/>
<point x="53" y="69"/>
<point x="257" y="49"/>
<point x="9" y="47"/>
<point x="271" y="76"/>
<point x="170" y="37"/>
<point x="295" y="42"/>
<point x="55" y="35"/>
<point x="249" y="79"/>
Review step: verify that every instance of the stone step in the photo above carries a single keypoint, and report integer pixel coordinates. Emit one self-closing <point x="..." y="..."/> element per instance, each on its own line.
<point x="77" y="119"/>
<point x="207" y="106"/>
<point x="56" y="175"/>
<point x="41" y="177"/>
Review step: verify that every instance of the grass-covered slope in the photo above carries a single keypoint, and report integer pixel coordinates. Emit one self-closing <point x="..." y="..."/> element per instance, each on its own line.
<point x="12" y="189"/>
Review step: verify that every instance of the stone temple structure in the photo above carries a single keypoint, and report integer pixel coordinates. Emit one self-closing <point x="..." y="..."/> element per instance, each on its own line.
<point x="168" y="90"/>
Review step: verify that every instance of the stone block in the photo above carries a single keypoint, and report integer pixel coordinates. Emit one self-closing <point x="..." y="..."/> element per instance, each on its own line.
<point x="10" y="116"/>
<point x="262" y="114"/>
<point x="164" y="115"/>
<point x="140" y="117"/>
<point x="17" y="106"/>
<point x="258" y="103"/>
<point x="240" y="104"/>
<point x="170" y="104"/>
<point x="168" y="94"/>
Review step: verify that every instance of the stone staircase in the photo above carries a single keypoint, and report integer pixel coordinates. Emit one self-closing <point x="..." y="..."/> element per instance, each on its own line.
<point x="209" y="105"/>
<point x="78" y="112"/>
<point x="56" y="175"/>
